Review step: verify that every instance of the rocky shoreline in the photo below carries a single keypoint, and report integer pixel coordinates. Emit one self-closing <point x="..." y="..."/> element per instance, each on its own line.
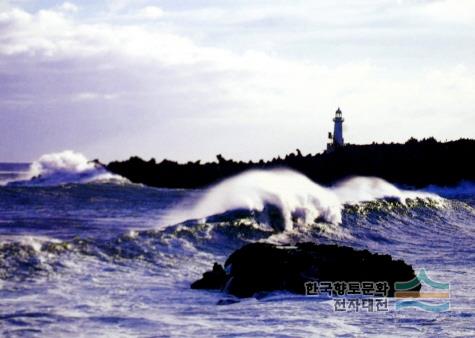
<point x="414" y="163"/>
<point x="261" y="267"/>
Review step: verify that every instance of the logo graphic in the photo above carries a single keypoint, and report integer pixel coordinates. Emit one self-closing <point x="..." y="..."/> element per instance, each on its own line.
<point x="405" y="290"/>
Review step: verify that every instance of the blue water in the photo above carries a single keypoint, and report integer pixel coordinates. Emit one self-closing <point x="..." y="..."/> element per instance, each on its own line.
<point x="98" y="259"/>
<point x="9" y="171"/>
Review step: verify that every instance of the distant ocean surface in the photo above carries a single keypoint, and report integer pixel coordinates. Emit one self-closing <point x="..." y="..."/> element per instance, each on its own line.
<point x="86" y="253"/>
<point x="11" y="171"/>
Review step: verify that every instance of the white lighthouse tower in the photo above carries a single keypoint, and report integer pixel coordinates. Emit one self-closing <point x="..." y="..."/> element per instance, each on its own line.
<point x="336" y="140"/>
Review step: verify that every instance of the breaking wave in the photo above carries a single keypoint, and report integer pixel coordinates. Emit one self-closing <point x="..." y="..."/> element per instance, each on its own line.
<point x="65" y="167"/>
<point x="284" y="198"/>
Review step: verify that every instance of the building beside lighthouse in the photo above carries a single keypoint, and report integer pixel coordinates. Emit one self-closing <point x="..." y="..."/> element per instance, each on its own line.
<point x="335" y="139"/>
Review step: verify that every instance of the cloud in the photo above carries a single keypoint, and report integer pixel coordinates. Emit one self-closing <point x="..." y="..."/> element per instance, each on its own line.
<point x="68" y="7"/>
<point x="86" y="96"/>
<point x="455" y="11"/>
<point x="151" y="12"/>
<point x="91" y="85"/>
<point x="118" y="5"/>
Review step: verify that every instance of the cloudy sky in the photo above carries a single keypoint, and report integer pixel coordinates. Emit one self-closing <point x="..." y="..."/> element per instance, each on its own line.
<point x="250" y="79"/>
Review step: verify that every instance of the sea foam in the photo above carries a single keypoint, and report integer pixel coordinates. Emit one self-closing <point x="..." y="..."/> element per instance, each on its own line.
<point x="65" y="167"/>
<point x="287" y="197"/>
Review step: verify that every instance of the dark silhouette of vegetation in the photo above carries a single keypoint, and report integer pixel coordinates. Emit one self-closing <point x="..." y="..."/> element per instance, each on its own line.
<point x="415" y="163"/>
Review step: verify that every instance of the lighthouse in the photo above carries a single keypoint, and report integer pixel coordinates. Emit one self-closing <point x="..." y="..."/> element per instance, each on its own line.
<point x="335" y="140"/>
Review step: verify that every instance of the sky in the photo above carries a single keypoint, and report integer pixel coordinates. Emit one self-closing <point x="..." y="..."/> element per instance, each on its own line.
<point x="248" y="79"/>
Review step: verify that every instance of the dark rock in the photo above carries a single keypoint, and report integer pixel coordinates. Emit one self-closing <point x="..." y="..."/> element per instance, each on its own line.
<point x="415" y="163"/>
<point x="213" y="279"/>
<point x="261" y="267"/>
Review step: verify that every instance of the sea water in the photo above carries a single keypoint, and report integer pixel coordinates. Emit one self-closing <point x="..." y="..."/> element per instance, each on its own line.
<point x="86" y="253"/>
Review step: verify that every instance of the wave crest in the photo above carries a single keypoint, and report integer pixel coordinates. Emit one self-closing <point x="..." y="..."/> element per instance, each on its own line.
<point x="66" y="167"/>
<point x="284" y="198"/>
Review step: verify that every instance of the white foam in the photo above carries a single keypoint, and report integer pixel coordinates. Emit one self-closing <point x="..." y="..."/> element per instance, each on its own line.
<point x="363" y="189"/>
<point x="300" y="200"/>
<point x="65" y="167"/>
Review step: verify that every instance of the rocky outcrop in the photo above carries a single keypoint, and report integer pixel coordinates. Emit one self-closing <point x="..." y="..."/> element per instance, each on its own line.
<point x="261" y="267"/>
<point x="414" y="163"/>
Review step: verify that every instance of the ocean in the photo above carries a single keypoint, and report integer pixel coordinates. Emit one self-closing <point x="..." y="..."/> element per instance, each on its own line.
<point x="86" y="253"/>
